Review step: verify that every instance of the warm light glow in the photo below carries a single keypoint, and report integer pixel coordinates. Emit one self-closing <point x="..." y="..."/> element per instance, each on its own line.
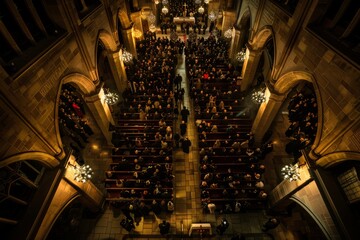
<point x="212" y="16"/>
<point x="228" y="33"/>
<point x="165" y="10"/>
<point x="291" y="172"/>
<point x="95" y="147"/>
<point x="157" y="1"/>
<point x="258" y="97"/>
<point x="206" y="1"/>
<point x="111" y="98"/>
<point x="152" y="28"/>
<point x="82" y="173"/>
<point x="201" y="10"/>
<point x="126" y="57"/>
<point x="137" y="33"/>
<point x="240" y="56"/>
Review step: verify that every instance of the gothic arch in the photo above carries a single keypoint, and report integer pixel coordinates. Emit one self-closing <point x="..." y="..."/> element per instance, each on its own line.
<point x="262" y="36"/>
<point x="313" y="215"/>
<point x="45" y="158"/>
<point x="288" y="81"/>
<point x="107" y="40"/>
<point x="242" y="21"/>
<point x="84" y="83"/>
<point x="335" y="158"/>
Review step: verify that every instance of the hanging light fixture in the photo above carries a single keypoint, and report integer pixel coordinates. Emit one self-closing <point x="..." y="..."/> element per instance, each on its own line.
<point x="164" y="2"/>
<point x="291" y="172"/>
<point x="82" y="173"/>
<point x="126" y="57"/>
<point x="157" y="1"/>
<point x="201" y="10"/>
<point x="240" y="56"/>
<point x="212" y="16"/>
<point x="152" y="28"/>
<point x="137" y="33"/>
<point x="165" y="10"/>
<point x="111" y="98"/>
<point x="258" y="97"/>
<point x="206" y="1"/>
<point x="198" y="2"/>
<point x="228" y="33"/>
<point x="173" y="36"/>
<point x="151" y="18"/>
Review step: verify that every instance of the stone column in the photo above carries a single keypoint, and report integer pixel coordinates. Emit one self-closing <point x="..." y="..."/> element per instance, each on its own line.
<point x="101" y="112"/>
<point x="249" y="67"/>
<point x="129" y="41"/>
<point x="118" y="70"/>
<point x="234" y="48"/>
<point x="265" y="116"/>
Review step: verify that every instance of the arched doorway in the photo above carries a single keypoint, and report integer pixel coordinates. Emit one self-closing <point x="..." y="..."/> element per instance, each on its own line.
<point x="21" y="181"/>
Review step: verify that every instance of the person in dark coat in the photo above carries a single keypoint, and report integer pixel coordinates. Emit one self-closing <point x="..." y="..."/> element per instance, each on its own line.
<point x="164" y="227"/>
<point x="186" y="145"/>
<point x="183" y="128"/>
<point x="184" y="114"/>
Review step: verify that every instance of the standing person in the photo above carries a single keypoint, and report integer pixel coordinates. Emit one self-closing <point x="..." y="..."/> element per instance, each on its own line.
<point x="164" y="227"/>
<point x="186" y="145"/>
<point x="183" y="128"/>
<point x="270" y="224"/>
<point x="178" y="81"/>
<point x="184" y="114"/>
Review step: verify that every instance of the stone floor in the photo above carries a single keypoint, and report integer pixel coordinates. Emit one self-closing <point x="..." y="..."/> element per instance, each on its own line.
<point x="187" y="194"/>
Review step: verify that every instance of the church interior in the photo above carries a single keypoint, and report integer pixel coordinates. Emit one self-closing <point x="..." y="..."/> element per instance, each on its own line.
<point x="180" y="119"/>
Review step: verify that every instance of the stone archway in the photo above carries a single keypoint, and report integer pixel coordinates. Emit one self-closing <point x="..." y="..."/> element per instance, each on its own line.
<point x="242" y="31"/>
<point x="45" y="158"/>
<point x="254" y="51"/>
<point x="335" y="158"/>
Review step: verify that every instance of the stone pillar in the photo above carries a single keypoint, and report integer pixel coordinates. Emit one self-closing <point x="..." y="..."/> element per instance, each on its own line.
<point x="249" y="67"/>
<point x="101" y="112"/>
<point x="234" y="48"/>
<point x="129" y="41"/>
<point x="118" y="70"/>
<point x="265" y="116"/>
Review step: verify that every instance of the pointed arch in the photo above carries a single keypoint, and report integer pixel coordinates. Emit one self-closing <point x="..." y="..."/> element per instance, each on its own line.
<point x="84" y="83"/>
<point x="106" y="38"/>
<point x="313" y="215"/>
<point x="242" y="21"/>
<point x="42" y="157"/>
<point x="288" y="81"/>
<point x="262" y="36"/>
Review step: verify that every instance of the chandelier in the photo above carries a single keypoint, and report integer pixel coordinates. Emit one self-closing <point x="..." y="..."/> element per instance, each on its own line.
<point x="228" y="33"/>
<point x="165" y="10"/>
<point x="201" y="10"/>
<point x="206" y="1"/>
<point x="82" y="173"/>
<point x="111" y="98"/>
<point x="240" y="56"/>
<point x="157" y="1"/>
<point x="212" y="16"/>
<point x="151" y="18"/>
<point x="258" y="97"/>
<point x="173" y="36"/>
<point x="165" y="2"/>
<point x="126" y="57"/>
<point x="152" y="28"/>
<point x="137" y="33"/>
<point x="198" y="2"/>
<point x="291" y="172"/>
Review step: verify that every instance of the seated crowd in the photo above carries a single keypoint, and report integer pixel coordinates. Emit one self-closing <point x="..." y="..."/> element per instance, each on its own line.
<point x="140" y="177"/>
<point x="303" y="122"/>
<point x="72" y="122"/>
<point x="230" y="164"/>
